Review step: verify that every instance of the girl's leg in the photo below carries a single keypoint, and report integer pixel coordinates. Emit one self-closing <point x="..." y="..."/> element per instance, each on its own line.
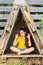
<point x="29" y="50"/>
<point x="14" y="49"/>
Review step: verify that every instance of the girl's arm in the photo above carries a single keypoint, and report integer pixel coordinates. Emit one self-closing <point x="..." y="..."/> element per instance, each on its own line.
<point x="29" y="41"/>
<point x="15" y="43"/>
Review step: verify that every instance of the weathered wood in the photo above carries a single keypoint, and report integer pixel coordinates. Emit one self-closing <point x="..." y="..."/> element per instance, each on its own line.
<point x="37" y="16"/>
<point x="1" y="32"/>
<point x="4" y="16"/>
<point x="2" y="24"/>
<point x="31" y="9"/>
<point x="34" y="16"/>
<point x="7" y="33"/>
<point x="27" y="1"/>
<point x="35" y="35"/>
<point x="24" y="56"/>
<point x="34" y="2"/>
<point x="5" y="8"/>
<point x="35" y="9"/>
<point x="6" y="1"/>
<point x="10" y="25"/>
<point x="30" y="25"/>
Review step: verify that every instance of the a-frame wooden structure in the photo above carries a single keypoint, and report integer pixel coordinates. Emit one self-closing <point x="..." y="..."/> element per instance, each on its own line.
<point x="11" y="23"/>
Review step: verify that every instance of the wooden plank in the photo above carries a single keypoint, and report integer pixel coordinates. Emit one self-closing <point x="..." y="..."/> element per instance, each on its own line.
<point x="40" y="9"/>
<point x="31" y="9"/>
<point x="35" y="9"/>
<point x="12" y="55"/>
<point x="35" y="16"/>
<point x="1" y="32"/>
<point x="27" y="1"/>
<point x="4" y="16"/>
<point x="34" y="2"/>
<point x="5" y="8"/>
<point x="2" y="24"/>
<point x="6" y="1"/>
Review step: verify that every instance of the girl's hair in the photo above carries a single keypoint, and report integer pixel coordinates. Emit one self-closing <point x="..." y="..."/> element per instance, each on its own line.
<point x="24" y="29"/>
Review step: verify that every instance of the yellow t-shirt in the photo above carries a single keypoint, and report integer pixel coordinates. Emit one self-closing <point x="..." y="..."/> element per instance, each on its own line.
<point x="21" y="43"/>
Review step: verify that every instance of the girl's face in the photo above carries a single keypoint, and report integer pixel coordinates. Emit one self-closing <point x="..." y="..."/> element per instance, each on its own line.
<point x="22" y="33"/>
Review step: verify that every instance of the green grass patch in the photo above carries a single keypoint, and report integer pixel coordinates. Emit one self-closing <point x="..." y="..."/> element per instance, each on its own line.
<point x="19" y="63"/>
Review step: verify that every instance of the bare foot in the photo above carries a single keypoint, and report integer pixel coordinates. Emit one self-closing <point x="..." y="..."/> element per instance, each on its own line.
<point x="19" y="53"/>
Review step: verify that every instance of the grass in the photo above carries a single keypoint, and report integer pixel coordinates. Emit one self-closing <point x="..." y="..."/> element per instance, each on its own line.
<point x="19" y="63"/>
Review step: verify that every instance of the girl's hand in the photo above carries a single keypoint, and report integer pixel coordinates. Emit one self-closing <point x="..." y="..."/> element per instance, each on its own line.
<point x="28" y="36"/>
<point x="16" y="36"/>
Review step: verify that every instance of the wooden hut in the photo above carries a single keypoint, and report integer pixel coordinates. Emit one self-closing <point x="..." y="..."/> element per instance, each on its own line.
<point x="21" y="16"/>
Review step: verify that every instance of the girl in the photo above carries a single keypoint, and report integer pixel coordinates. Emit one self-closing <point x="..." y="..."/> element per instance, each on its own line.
<point x="20" y="42"/>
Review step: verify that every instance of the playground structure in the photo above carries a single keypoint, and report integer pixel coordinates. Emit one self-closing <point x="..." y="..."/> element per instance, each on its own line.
<point x="22" y="17"/>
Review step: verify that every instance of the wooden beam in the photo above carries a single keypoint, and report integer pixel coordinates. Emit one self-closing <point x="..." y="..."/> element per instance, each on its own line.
<point x="25" y="56"/>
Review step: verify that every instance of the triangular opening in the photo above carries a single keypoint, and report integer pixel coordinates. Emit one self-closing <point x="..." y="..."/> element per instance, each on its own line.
<point x="20" y="22"/>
